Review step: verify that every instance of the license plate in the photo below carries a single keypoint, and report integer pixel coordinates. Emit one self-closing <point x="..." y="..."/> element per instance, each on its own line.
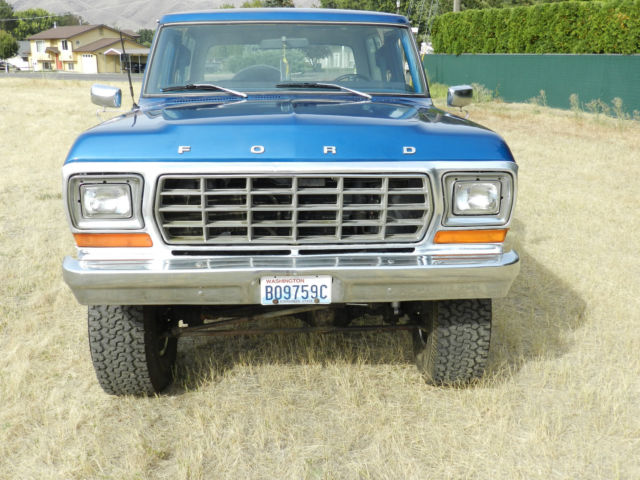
<point x="295" y="290"/>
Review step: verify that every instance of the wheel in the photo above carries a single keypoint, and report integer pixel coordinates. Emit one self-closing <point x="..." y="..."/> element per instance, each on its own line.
<point x="351" y="77"/>
<point x="131" y="353"/>
<point x="452" y="345"/>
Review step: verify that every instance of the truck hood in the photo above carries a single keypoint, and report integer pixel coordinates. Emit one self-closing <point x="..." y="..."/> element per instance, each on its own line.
<point x="289" y="130"/>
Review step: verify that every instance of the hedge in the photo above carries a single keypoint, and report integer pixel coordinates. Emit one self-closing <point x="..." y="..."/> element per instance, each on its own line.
<point x="564" y="27"/>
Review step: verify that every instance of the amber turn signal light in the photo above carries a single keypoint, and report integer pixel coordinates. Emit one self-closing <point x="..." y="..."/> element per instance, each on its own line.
<point x="113" y="239"/>
<point x="471" y="236"/>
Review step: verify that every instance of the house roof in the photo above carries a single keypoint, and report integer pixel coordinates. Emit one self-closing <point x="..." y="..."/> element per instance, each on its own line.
<point x="71" y="31"/>
<point x="130" y="51"/>
<point x="107" y="42"/>
<point x="62" y="32"/>
<point x="97" y="45"/>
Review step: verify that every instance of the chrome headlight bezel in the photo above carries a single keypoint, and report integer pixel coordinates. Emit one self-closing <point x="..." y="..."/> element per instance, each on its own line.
<point x="499" y="215"/>
<point x="129" y="184"/>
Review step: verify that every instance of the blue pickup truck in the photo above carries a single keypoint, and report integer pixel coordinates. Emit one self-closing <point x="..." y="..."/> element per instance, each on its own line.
<point x="286" y="162"/>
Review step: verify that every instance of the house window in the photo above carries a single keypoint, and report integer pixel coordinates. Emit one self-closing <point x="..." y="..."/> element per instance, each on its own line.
<point x="46" y="65"/>
<point x="70" y="66"/>
<point x="65" y="45"/>
<point x="40" y="46"/>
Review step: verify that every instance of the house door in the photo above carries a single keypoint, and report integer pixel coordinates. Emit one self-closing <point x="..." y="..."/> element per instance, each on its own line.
<point x="89" y="64"/>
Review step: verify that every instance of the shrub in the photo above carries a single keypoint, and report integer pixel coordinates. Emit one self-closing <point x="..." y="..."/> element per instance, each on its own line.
<point x="562" y="27"/>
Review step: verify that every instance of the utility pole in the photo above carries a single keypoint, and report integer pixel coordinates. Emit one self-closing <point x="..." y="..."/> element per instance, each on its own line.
<point x="398" y="6"/>
<point x="456" y="5"/>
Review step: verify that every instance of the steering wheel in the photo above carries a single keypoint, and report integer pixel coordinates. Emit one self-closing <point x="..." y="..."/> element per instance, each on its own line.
<point x="351" y="77"/>
<point x="258" y="73"/>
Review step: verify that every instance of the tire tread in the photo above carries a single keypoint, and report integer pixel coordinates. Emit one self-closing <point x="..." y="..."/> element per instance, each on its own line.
<point x="457" y="347"/>
<point x="119" y="350"/>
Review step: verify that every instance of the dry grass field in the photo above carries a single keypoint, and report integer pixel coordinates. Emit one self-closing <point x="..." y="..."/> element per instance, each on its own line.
<point x="561" y="398"/>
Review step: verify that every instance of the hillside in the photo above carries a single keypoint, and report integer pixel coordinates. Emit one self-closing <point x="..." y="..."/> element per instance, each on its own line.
<point x="129" y="14"/>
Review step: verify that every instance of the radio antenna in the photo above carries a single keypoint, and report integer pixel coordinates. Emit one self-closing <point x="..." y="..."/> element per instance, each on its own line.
<point x="128" y="69"/>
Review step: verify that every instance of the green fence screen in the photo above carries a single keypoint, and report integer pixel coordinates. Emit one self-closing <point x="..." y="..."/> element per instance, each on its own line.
<point x="518" y="78"/>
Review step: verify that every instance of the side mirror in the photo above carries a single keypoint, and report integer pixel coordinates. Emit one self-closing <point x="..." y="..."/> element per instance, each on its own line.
<point x="460" y="96"/>
<point x="106" y="96"/>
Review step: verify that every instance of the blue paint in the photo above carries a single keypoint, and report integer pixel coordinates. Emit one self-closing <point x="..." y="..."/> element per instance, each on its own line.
<point x="292" y="126"/>
<point x="292" y="129"/>
<point x="285" y="14"/>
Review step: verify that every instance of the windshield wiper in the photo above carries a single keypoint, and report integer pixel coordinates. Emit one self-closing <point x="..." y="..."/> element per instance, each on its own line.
<point x="333" y="86"/>
<point x="203" y="86"/>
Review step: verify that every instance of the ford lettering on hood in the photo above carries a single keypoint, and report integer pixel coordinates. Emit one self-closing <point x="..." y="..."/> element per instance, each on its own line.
<point x="289" y="129"/>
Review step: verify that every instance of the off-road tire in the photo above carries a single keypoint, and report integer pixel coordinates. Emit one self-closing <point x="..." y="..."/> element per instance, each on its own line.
<point x="452" y="346"/>
<point x="130" y="354"/>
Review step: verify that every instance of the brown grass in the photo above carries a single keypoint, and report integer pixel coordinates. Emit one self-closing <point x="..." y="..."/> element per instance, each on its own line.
<point x="561" y="398"/>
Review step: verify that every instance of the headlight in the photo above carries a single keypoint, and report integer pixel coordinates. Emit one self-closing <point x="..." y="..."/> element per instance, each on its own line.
<point x="478" y="199"/>
<point x="105" y="202"/>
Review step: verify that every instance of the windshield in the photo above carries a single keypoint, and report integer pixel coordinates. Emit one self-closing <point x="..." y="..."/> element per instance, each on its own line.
<point x="252" y="57"/>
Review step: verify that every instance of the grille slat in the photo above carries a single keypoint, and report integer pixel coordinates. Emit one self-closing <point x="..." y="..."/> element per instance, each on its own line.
<point x="292" y="209"/>
<point x="225" y="191"/>
<point x="181" y="208"/>
<point x="227" y="224"/>
<point x="167" y="193"/>
<point x="272" y="224"/>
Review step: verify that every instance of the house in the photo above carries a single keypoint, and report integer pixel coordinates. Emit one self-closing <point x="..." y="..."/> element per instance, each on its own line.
<point x="85" y="49"/>
<point x="21" y="59"/>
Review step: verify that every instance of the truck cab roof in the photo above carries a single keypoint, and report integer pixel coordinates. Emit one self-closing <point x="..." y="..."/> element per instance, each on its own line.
<point x="285" y="14"/>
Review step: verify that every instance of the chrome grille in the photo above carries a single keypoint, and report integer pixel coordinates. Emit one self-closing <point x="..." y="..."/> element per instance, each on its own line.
<point x="292" y="209"/>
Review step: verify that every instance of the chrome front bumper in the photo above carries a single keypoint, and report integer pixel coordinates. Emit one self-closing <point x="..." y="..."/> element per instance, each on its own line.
<point x="236" y="280"/>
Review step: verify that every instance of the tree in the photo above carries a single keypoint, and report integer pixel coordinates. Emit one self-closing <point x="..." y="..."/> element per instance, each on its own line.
<point x="417" y="10"/>
<point x="69" y="18"/>
<point x="6" y="12"/>
<point x="146" y="36"/>
<point x="279" y="3"/>
<point x="382" y="6"/>
<point x="374" y="5"/>
<point x="32" y="21"/>
<point x="8" y="45"/>
<point x="267" y="3"/>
